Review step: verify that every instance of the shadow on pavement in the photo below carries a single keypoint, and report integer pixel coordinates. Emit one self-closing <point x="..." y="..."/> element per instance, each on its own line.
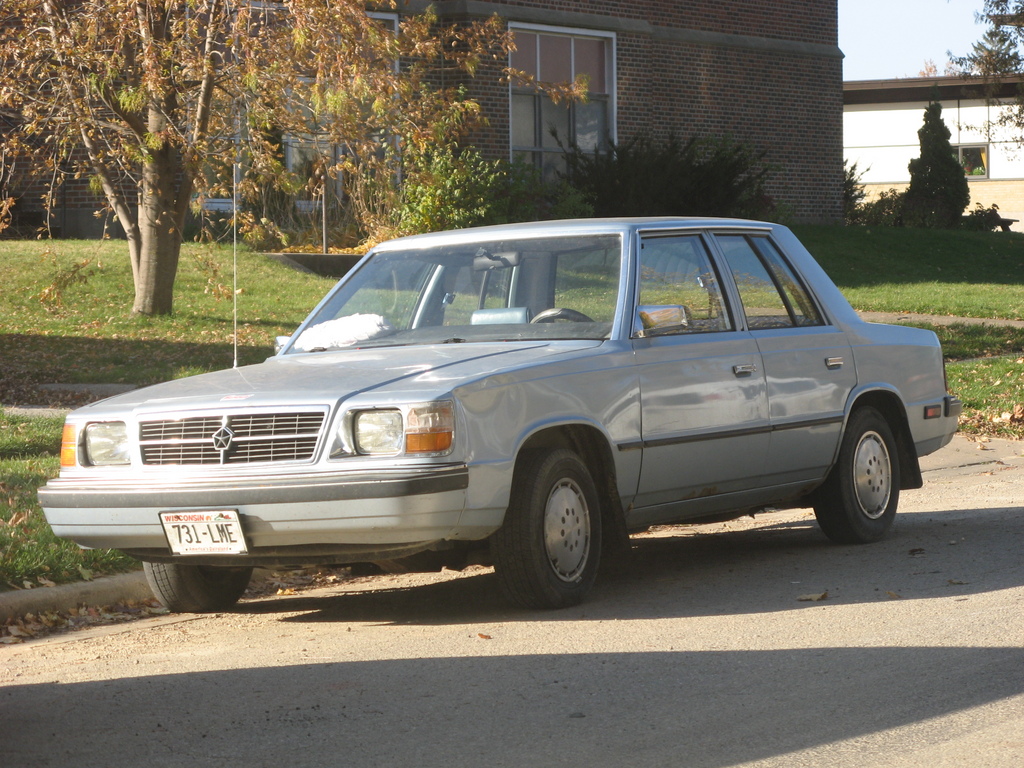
<point x="756" y="570"/>
<point x="707" y="709"/>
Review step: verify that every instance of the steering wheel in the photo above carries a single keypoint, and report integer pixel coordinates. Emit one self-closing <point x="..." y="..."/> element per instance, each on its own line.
<point x="561" y="313"/>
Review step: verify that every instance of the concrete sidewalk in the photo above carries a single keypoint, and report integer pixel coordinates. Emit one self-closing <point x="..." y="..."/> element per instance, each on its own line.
<point x="915" y="317"/>
<point x="961" y="457"/>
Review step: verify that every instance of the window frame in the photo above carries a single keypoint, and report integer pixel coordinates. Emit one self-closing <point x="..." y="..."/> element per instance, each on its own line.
<point x="726" y="315"/>
<point x="986" y="159"/>
<point x="537" y="151"/>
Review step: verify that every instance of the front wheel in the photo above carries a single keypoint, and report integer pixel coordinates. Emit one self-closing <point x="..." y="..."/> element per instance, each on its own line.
<point x="546" y="553"/>
<point x="857" y="504"/>
<point x="197" y="588"/>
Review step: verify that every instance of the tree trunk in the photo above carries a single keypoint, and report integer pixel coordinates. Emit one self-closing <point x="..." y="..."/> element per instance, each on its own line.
<point x="160" y="223"/>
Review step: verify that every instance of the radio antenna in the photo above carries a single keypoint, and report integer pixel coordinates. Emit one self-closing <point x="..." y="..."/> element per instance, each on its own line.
<point x="234" y="255"/>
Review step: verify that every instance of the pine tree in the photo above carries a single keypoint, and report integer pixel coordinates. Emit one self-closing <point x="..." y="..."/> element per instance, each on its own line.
<point x="995" y="54"/>
<point x="938" y="192"/>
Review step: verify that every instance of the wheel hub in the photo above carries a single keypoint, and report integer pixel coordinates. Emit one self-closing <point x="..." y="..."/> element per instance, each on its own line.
<point x="567" y="530"/>
<point x="872" y="475"/>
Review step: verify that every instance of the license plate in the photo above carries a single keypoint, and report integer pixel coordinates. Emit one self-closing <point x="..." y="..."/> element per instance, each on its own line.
<point x="216" y="532"/>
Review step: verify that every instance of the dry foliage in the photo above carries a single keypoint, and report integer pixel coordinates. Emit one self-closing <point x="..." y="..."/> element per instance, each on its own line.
<point x="156" y="100"/>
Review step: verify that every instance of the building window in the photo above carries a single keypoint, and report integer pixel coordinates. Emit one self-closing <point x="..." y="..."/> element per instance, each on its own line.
<point x="541" y="129"/>
<point x="974" y="159"/>
<point x="308" y="155"/>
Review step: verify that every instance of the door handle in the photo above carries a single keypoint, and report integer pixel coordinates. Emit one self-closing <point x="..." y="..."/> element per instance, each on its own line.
<point x="744" y="370"/>
<point x="832" y="363"/>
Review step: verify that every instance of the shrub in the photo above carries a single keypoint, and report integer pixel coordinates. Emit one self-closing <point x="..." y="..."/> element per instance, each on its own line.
<point x="938" y="191"/>
<point x="707" y="177"/>
<point x="982" y="219"/>
<point x="853" y="194"/>
<point x="886" y="211"/>
<point x="447" y="188"/>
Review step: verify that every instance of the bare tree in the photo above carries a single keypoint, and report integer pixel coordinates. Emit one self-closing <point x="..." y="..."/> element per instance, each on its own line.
<point x="153" y="100"/>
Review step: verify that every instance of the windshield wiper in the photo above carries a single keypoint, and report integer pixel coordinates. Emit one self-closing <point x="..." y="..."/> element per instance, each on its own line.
<point x="454" y="340"/>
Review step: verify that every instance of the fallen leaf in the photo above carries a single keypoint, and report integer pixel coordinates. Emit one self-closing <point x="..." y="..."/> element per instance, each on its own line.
<point x="813" y="598"/>
<point x="956" y="583"/>
<point x="482" y="636"/>
<point x="286" y="591"/>
<point x="19" y="518"/>
<point x="85" y="573"/>
<point x="45" y="581"/>
<point x="916" y="551"/>
<point x="894" y="596"/>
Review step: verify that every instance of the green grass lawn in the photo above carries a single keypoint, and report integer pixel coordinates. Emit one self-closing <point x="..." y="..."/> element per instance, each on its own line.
<point x="66" y="313"/>
<point x="964" y="274"/>
<point x="66" y="318"/>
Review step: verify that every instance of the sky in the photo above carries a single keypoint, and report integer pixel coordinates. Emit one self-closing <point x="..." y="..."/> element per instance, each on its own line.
<point x="893" y="38"/>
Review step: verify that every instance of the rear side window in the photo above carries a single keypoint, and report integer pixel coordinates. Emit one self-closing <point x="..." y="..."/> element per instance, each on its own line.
<point x="771" y="294"/>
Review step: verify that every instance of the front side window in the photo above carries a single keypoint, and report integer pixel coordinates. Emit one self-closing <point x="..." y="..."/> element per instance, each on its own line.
<point x="679" y="290"/>
<point x="540" y="128"/>
<point x="770" y="292"/>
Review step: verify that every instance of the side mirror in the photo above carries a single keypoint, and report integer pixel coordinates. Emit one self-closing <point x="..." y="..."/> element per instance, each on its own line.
<point x="280" y="342"/>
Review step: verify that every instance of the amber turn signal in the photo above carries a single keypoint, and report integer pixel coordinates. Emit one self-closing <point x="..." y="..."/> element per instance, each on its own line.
<point x="69" y="446"/>
<point x="428" y="442"/>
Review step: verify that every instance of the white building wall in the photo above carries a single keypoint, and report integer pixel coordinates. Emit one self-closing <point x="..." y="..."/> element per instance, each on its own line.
<point x="882" y="140"/>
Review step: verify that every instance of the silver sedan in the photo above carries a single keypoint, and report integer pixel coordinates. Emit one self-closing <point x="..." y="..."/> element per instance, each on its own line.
<point x="525" y="395"/>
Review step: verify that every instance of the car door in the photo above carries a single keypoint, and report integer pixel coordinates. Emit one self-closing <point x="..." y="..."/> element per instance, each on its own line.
<point x="808" y="362"/>
<point x="704" y="407"/>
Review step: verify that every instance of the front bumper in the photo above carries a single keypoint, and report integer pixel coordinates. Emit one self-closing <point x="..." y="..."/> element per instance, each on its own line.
<point x="317" y="512"/>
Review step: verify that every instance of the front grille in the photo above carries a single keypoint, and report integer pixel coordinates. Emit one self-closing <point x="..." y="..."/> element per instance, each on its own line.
<point x="232" y="438"/>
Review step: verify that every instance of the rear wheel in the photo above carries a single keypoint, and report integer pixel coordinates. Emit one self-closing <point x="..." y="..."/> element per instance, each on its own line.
<point x="197" y="588"/>
<point x="857" y="504"/>
<point x="546" y="554"/>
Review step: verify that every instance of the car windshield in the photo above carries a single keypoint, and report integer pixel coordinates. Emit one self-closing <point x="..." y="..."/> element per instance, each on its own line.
<point x="523" y="289"/>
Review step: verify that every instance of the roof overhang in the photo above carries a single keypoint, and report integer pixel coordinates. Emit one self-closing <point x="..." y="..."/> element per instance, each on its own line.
<point x="909" y="89"/>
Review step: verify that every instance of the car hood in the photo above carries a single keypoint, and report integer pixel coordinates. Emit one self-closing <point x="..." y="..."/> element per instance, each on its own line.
<point x="327" y="377"/>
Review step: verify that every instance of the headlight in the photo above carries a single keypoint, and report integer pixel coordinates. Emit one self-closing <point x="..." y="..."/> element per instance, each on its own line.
<point x="378" y="432"/>
<point x="106" y="444"/>
<point x="426" y="429"/>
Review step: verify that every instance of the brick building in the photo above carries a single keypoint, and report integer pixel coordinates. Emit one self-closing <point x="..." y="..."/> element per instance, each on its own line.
<point x="767" y="73"/>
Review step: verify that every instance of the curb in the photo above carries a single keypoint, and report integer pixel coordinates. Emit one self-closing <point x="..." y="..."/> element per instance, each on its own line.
<point x="105" y="590"/>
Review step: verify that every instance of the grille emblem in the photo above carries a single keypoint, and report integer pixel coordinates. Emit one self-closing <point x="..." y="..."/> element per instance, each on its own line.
<point x="222" y="438"/>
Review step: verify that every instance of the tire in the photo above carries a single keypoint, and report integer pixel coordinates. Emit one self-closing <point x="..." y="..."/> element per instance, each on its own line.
<point x="197" y="588"/>
<point x="857" y="504"/>
<point x="547" y="552"/>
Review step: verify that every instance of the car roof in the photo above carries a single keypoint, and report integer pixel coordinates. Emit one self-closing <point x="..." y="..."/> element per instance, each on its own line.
<point x="564" y="227"/>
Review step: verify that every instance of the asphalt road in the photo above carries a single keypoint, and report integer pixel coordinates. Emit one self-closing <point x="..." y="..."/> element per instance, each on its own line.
<point x="702" y="655"/>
